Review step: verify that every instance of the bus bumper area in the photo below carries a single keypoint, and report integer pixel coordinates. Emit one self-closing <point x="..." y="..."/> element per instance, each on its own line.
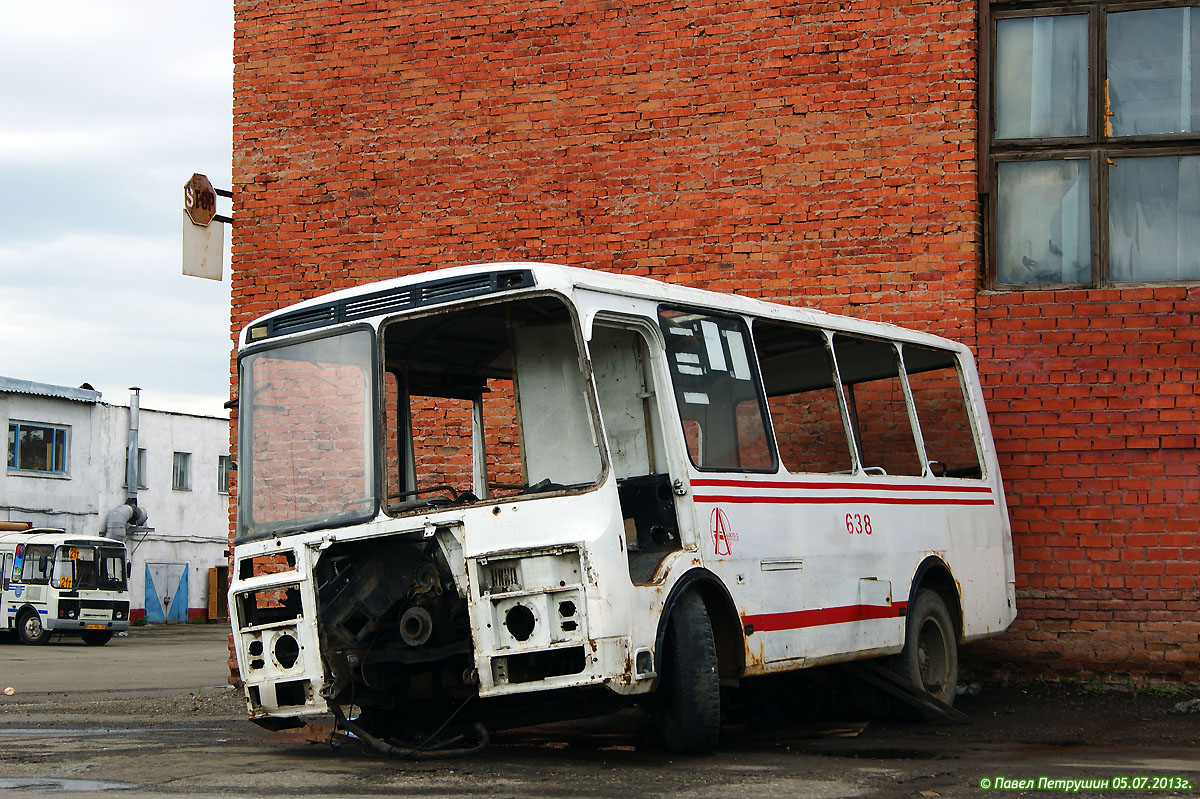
<point x="387" y="625"/>
<point x="79" y="615"/>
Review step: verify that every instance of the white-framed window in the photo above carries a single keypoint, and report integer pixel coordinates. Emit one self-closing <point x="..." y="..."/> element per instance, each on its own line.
<point x="181" y="471"/>
<point x="224" y="473"/>
<point x="37" y="447"/>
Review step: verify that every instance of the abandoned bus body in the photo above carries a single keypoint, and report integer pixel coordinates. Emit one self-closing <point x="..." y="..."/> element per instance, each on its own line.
<point x="53" y="582"/>
<point x="514" y="485"/>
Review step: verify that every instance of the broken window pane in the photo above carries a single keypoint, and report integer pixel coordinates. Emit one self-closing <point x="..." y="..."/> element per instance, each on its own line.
<point x="1154" y="218"/>
<point x="485" y="401"/>
<point x="801" y="393"/>
<point x="1044" y="224"/>
<point x="870" y="373"/>
<point x="1154" y="71"/>
<point x="1041" y="77"/>
<point x="937" y="392"/>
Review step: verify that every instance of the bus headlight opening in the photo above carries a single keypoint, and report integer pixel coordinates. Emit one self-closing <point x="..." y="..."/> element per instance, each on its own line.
<point x="286" y="650"/>
<point x="520" y="622"/>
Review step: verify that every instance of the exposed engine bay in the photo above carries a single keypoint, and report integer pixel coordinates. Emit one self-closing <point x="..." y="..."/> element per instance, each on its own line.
<point x="394" y="630"/>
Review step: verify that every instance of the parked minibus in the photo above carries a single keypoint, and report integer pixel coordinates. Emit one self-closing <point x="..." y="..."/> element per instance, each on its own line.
<point x="52" y="582"/>
<point x="514" y="490"/>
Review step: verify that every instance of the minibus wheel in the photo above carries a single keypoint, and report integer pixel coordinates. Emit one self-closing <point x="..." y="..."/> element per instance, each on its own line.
<point x="689" y="702"/>
<point x="29" y="627"/>
<point x="930" y="657"/>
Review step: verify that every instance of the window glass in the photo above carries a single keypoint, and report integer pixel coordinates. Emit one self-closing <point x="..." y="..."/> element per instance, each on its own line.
<point x="802" y="395"/>
<point x="307" y="456"/>
<point x="1041" y="77"/>
<point x="1043" y="222"/>
<point x="111" y="573"/>
<point x="1154" y="71"/>
<point x="37" y="561"/>
<point x="181" y="479"/>
<point x="141" y="468"/>
<point x="37" y="448"/>
<point x="1154" y="218"/>
<point x="874" y="394"/>
<point x="224" y="473"/>
<point x="716" y="392"/>
<point x="937" y="393"/>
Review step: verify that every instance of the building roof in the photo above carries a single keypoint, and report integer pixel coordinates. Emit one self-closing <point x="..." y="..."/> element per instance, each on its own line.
<point x="11" y="385"/>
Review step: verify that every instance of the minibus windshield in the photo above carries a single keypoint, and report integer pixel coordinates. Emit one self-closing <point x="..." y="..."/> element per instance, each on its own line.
<point x="307" y="450"/>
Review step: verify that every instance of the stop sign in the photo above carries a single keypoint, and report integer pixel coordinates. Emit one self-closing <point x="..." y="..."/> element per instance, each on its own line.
<point x="199" y="200"/>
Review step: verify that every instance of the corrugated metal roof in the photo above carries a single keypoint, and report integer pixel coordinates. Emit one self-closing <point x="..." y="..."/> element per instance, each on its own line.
<point x="11" y="385"/>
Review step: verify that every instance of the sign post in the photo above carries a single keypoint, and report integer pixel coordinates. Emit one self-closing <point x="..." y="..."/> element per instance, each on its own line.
<point x="203" y="230"/>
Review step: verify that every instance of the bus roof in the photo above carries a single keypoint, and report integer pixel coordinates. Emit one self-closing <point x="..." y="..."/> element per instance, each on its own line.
<point x="55" y="537"/>
<point x="454" y="284"/>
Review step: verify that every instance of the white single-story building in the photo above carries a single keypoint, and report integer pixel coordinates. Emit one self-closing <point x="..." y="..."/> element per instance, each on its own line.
<point x="65" y="468"/>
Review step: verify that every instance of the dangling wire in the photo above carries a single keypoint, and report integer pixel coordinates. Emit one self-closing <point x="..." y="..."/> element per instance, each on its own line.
<point x="422" y="751"/>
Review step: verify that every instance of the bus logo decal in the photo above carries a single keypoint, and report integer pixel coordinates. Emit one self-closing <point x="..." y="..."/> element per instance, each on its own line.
<point x="722" y="532"/>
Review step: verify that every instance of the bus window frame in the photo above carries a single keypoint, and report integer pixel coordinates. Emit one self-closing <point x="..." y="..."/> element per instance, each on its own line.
<point x="744" y="324"/>
<point x="246" y="462"/>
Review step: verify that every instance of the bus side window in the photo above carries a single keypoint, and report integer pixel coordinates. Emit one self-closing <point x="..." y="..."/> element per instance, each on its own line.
<point x="36" y="568"/>
<point x="937" y="391"/>
<point x="870" y="372"/>
<point x="6" y="571"/>
<point x="716" y="391"/>
<point x="802" y="395"/>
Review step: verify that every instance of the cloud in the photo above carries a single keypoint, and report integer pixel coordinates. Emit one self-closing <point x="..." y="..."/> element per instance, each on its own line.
<point x="114" y="311"/>
<point x="109" y="107"/>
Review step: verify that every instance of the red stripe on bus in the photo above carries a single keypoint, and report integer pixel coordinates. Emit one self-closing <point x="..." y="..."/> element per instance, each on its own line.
<point x="799" y="619"/>
<point x="834" y="500"/>
<point x="852" y="486"/>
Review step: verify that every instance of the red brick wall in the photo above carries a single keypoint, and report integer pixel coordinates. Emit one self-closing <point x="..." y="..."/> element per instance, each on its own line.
<point x="786" y="149"/>
<point x="1095" y="411"/>
<point x="818" y="152"/>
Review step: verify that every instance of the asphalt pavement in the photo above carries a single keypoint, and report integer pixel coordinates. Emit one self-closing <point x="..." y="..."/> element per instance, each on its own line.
<point x="151" y="715"/>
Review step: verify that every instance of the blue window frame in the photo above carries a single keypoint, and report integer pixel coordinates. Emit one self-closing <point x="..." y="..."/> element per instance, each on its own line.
<point x="37" y="448"/>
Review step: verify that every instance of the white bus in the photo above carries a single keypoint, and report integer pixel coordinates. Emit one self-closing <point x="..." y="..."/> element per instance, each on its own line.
<point x="498" y="490"/>
<point x="54" y="582"/>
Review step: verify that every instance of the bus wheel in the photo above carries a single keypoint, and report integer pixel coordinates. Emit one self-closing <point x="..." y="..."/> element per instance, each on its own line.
<point x="689" y="702"/>
<point x="96" y="637"/>
<point x="30" y="628"/>
<point x="930" y="656"/>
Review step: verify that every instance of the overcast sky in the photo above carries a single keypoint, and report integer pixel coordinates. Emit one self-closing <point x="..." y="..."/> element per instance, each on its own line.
<point x="107" y="107"/>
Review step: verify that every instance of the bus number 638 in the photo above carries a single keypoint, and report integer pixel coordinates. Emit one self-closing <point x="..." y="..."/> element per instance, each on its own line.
<point x="858" y="524"/>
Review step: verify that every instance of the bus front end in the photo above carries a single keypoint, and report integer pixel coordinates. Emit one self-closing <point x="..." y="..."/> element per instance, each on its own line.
<point x="422" y="512"/>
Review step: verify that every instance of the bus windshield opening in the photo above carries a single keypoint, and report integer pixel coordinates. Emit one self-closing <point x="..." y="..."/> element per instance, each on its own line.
<point x="485" y="402"/>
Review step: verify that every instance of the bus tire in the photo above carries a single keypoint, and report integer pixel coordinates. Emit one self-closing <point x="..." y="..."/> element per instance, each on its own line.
<point x="31" y="629"/>
<point x="689" y="702"/>
<point x="96" y="637"/>
<point x="929" y="659"/>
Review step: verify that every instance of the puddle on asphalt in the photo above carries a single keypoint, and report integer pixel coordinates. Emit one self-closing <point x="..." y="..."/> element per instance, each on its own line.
<point x="56" y="784"/>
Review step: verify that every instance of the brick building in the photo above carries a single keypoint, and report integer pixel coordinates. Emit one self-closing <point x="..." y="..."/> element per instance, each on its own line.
<point x="1021" y="178"/>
